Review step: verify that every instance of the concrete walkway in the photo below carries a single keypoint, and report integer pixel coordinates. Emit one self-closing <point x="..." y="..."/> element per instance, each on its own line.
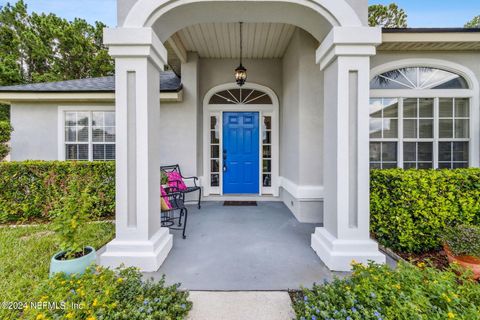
<point x="260" y="248"/>
<point x="254" y="305"/>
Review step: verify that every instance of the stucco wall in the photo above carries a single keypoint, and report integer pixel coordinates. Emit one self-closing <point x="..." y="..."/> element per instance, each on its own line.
<point x="35" y="132"/>
<point x="178" y="120"/>
<point x="302" y="113"/>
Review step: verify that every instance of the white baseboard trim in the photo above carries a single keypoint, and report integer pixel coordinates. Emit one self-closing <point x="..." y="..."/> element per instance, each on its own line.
<point x="302" y="192"/>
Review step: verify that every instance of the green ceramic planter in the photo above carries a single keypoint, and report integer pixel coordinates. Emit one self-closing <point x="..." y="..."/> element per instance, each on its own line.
<point x="78" y="266"/>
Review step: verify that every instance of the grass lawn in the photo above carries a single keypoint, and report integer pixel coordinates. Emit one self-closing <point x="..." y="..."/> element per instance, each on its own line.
<point x="25" y="254"/>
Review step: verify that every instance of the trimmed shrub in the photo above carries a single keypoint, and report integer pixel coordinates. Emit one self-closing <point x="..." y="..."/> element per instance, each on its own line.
<point x="5" y="133"/>
<point x="106" y="294"/>
<point x="410" y="209"/>
<point x="378" y="292"/>
<point x="32" y="190"/>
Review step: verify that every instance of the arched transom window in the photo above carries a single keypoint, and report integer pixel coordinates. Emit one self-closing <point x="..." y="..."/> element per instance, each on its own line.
<point x="420" y="119"/>
<point x="418" y="78"/>
<point x="240" y="96"/>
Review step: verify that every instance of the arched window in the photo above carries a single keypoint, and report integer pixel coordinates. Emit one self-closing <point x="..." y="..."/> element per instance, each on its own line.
<point x="419" y="118"/>
<point x="240" y="96"/>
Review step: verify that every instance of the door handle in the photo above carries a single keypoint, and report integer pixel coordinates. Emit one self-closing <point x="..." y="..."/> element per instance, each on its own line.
<point x="224" y="160"/>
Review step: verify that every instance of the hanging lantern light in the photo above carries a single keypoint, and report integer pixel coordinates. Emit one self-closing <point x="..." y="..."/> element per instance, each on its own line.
<point x="241" y="71"/>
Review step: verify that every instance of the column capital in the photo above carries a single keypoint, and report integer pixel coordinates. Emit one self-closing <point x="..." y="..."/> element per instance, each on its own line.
<point x="135" y="43"/>
<point x="348" y="41"/>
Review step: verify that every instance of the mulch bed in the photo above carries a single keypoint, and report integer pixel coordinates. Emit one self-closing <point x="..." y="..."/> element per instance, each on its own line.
<point x="437" y="259"/>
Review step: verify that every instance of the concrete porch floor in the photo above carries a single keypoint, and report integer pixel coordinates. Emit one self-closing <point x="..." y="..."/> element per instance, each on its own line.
<point x="243" y="248"/>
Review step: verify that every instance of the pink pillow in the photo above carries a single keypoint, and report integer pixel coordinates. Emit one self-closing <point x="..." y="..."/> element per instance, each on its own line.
<point x="165" y="198"/>
<point x="175" y="180"/>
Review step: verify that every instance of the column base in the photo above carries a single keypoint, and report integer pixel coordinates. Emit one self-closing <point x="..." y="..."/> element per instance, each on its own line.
<point x="338" y="254"/>
<point x="148" y="256"/>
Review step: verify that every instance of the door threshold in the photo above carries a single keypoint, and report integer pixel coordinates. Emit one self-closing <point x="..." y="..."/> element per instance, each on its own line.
<point x="241" y="197"/>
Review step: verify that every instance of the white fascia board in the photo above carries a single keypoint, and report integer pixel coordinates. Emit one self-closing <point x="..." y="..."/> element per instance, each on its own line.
<point x="10" y="97"/>
<point x="441" y="37"/>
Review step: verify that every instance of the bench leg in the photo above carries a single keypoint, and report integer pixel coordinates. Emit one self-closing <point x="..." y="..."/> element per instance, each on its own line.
<point x="199" y="198"/>
<point x="185" y="223"/>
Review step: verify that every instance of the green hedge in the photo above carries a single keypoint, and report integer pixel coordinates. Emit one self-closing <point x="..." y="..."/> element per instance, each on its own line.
<point x="30" y="190"/>
<point x="410" y="209"/>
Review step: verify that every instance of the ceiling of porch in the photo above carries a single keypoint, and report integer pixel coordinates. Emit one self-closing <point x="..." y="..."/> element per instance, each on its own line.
<point x="222" y="40"/>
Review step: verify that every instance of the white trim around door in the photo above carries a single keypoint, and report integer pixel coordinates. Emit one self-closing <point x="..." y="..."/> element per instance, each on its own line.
<point x="217" y="110"/>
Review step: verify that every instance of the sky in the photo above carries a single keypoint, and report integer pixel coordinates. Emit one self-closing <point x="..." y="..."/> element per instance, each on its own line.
<point x="421" y="13"/>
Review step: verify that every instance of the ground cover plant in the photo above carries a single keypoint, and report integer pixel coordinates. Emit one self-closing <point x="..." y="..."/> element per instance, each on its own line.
<point x="379" y="292"/>
<point x="25" y="258"/>
<point x="106" y="294"/>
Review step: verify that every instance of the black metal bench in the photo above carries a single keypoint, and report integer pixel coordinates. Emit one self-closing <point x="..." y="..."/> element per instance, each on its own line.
<point x="194" y="188"/>
<point x="172" y="218"/>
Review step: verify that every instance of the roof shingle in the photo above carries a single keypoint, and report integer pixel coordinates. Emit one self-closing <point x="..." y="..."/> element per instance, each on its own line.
<point x="169" y="82"/>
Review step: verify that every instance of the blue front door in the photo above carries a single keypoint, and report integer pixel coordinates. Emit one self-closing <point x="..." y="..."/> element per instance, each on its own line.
<point x="240" y="152"/>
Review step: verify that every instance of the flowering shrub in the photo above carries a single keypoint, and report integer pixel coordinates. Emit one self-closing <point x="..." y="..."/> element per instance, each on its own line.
<point x="106" y="294"/>
<point x="378" y="292"/>
<point x="463" y="240"/>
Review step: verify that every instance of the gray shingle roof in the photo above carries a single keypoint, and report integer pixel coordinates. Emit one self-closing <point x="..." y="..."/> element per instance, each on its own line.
<point x="169" y="82"/>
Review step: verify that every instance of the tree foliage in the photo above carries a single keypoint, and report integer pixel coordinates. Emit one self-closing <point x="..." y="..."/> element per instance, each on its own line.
<point x="44" y="47"/>
<point x="474" y="23"/>
<point x="387" y="16"/>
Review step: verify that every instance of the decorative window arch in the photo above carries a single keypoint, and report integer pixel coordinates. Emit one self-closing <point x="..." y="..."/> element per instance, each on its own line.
<point x="418" y="78"/>
<point x="423" y="115"/>
<point x="240" y="96"/>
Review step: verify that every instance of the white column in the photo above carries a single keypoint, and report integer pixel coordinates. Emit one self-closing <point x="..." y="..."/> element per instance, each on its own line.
<point x="140" y="241"/>
<point x="344" y="56"/>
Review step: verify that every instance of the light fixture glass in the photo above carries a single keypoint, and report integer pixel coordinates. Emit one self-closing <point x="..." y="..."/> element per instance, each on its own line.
<point x="241" y="71"/>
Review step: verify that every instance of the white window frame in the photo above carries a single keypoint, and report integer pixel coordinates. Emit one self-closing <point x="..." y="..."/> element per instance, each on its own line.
<point x="263" y="110"/>
<point x="473" y="94"/>
<point x="61" y="127"/>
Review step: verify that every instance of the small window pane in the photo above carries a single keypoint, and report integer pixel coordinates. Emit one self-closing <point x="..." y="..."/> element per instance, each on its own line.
<point x="445" y="128"/>
<point x="109" y="134"/>
<point x="446" y="108"/>
<point x="375" y="151"/>
<point x="267" y="122"/>
<point x="98" y="119"/>
<point x="267" y="137"/>
<point x="425" y="151"/>
<point x="98" y="135"/>
<point x="444" y="165"/>
<point x="214" y="137"/>
<point x="376" y="107"/>
<point x="267" y="166"/>
<point x="389" y="151"/>
<point x="215" y="166"/>
<point x="375" y="166"/>
<point x="425" y="165"/>
<point x="71" y="134"/>
<point x="267" y="152"/>
<point x="461" y="129"/>
<point x="82" y="118"/>
<point x="70" y="118"/>
<point x="462" y="108"/>
<point x="215" y="180"/>
<point x="410" y="128"/>
<point x="460" y="151"/>
<point x="98" y="152"/>
<point x="390" y="128"/>
<point x="390" y="108"/>
<point x="375" y="128"/>
<point x="110" y="152"/>
<point x="214" y="123"/>
<point x="444" y="151"/>
<point x="426" y="108"/>
<point x="410" y="108"/>
<point x="109" y="119"/>
<point x="409" y="165"/>
<point x="409" y="151"/>
<point x="267" y="180"/>
<point x="82" y="134"/>
<point x="460" y="165"/>
<point x="215" y="152"/>
<point x="426" y="128"/>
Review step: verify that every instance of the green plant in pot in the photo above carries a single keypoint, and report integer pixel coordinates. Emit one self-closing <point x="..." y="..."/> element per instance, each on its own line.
<point x="72" y="212"/>
<point x="462" y="246"/>
<point x="164" y="179"/>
